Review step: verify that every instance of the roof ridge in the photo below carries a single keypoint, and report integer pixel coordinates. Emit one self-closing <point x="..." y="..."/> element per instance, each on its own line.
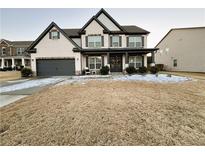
<point x="187" y="28"/>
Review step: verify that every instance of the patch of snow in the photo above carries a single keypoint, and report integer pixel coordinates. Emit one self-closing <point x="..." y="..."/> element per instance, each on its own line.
<point x="162" y="78"/>
<point x="30" y="83"/>
<point x="91" y="77"/>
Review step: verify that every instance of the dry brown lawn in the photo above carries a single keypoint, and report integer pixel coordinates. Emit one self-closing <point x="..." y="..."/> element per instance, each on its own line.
<point x="108" y="113"/>
<point x="9" y="75"/>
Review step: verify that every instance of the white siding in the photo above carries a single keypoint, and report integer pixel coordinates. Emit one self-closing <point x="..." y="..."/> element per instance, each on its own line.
<point x="94" y="28"/>
<point x="77" y="41"/>
<point x="61" y="48"/>
<point x="107" y="22"/>
<point x="185" y="45"/>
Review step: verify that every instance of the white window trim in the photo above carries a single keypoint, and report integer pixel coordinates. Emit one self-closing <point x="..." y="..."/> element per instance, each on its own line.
<point x="3" y="53"/>
<point x="118" y="43"/>
<point x="19" y="51"/>
<point x="95" y="42"/>
<point x="135" y="61"/>
<point x="135" y="43"/>
<point x="95" y="62"/>
<point x="54" y="37"/>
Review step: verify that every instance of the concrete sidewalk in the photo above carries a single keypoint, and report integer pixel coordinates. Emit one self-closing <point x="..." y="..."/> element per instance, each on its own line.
<point x="8" y="99"/>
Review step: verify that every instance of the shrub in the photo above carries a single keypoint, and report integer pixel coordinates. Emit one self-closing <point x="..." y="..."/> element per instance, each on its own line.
<point x="26" y="72"/>
<point x="104" y="70"/>
<point x="130" y="70"/>
<point x="4" y="69"/>
<point x="142" y="70"/>
<point x="153" y="70"/>
<point x="160" y="67"/>
<point x="9" y="68"/>
<point x="83" y="72"/>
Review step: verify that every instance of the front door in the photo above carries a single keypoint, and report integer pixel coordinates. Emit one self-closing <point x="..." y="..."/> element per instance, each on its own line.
<point x="116" y="63"/>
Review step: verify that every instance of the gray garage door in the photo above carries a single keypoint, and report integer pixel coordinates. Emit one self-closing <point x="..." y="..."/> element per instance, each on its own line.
<point x="55" y="67"/>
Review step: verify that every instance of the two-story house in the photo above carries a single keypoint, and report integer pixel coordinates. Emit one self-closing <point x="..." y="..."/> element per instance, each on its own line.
<point x="101" y="41"/>
<point x="12" y="53"/>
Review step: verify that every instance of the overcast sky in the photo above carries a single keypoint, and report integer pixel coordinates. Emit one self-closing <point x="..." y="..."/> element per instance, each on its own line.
<point x="28" y="24"/>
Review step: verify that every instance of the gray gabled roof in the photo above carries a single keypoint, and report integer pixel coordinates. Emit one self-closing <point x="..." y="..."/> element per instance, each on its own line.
<point x="73" y="32"/>
<point x="21" y="43"/>
<point x="17" y="43"/>
<point x="53" y="24"/>
<point x="134" y="29"/>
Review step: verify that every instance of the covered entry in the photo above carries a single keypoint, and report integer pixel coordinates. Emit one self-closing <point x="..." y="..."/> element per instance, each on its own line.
<point x="55" y="67"/>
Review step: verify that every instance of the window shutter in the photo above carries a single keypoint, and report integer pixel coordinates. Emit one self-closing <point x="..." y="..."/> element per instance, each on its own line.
<point x="86" y="61"/>
<point x="58" y="35"/>
<point x="49" y="35"/>
<point x="142" y="61"/>
<point x="86" y="41"/>
<point x="102" y="60"/>
<point x="127" y="41"/>
<point x="142" y="41"/>
<point x="102" y="37"/>
<point x="110" y="41"/>
<point x="120" y="41"/>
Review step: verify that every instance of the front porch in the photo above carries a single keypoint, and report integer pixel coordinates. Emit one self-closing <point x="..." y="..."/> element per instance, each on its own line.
<point x="117" y="62"/>
<point x="14" y="62"/>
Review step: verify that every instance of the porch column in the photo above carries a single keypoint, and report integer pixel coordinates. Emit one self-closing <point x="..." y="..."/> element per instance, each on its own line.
<point x="108" y="58"/>
<point x="2" y="62"/>
<point x="126" y="60"/>
<point x="23" y="62"/>
<point x="12" y="62"/>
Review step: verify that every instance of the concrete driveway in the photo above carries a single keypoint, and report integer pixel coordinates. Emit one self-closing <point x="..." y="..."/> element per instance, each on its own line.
<point x="12" y="91"/>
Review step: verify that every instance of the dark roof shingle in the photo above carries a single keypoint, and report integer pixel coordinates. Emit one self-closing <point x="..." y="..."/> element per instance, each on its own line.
<point x="72" y="32"/>
<point x="134" y="29"/>
<point x="23" y="43"/>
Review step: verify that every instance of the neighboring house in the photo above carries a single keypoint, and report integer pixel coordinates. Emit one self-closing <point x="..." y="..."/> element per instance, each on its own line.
<point x="182" y="49"/>
<point x="13" y="53"/>
<point x="101" y="41"/>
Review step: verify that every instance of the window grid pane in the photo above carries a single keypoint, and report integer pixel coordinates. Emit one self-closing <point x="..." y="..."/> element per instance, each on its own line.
<point x="94" y="41"/>
<point x="95" y="62"/>
<point x="135" y="41"/>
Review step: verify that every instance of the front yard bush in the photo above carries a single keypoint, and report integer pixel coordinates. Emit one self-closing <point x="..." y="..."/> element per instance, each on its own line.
<point x="26" y="72"/>
<point x="153" y="70"/>
<point x="160" y="67"/>
<point x="104" y="70"/>
<point x="130" y="70"/>
<point x="142" y="70"/>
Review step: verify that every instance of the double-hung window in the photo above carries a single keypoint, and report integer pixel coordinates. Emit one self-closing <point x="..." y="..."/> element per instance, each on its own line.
<point x="94" y="41"/>
<point x="3" y="51"/>
<point x="135" y="61"/>
<point x="115" y="41"/>
<point x="54" y="35"/>
<point x="94" y="63"/>
<point x="135" y="41"/>
<point x="19" y="51"/>
<point x="175" y="62"/>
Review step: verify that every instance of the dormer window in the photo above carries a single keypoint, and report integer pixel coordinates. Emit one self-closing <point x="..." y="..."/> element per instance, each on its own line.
<point x="135" y="41"/>
<point x="54" y="35"/>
